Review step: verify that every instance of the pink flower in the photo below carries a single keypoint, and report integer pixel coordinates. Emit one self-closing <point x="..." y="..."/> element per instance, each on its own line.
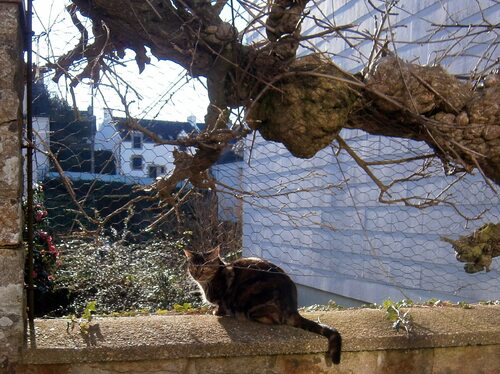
<point x="43" y="235"/>
<point x="51" y="277"/>
<point x="46" y="237"/>
<point x="53" y="250"/>
<point x="40" y="215"/>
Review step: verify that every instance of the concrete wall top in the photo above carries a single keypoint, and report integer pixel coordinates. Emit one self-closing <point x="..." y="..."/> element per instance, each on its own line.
<point x="178" y="336"/>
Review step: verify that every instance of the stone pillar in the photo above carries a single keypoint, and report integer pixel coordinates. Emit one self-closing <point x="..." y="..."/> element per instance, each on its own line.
<point x="11" y="249"/>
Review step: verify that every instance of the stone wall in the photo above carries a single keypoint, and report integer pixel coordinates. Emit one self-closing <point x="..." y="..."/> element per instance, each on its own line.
<point x="11" y="251"/>
<point x="444" y="340"/>
<point x="464" y="360"/>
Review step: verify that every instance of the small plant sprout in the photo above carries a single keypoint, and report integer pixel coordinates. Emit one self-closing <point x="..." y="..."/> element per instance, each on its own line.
<point x="84" y="322"/>
<point x="399" y="318"/>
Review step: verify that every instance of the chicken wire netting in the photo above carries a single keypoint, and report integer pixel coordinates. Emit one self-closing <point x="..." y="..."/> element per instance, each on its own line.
<point x="357" y="231"/>
<point x="321" y="219"/>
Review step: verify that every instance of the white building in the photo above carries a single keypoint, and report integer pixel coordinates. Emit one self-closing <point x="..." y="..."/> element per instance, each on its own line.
<point x="41" y="140"/>
<point x="341" y="243"/>
<point x="228" y="171"/>
<point x="139" y="160"/>
<point x="136" y="155"/>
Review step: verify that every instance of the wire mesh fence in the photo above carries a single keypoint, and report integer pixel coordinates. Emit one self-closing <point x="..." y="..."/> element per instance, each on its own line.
<point x="361" y="221"/>
<point x="323" y="221"/>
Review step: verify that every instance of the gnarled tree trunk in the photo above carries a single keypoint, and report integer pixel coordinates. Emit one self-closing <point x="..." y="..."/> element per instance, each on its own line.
<point x="302" y="103"/>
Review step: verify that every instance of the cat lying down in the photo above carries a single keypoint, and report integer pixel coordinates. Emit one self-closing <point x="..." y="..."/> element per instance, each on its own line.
<point x="254" y="289"/>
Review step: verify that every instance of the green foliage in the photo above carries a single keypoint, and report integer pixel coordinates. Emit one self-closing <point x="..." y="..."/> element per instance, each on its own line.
<point x="433" y="302"/>
<point x="105" y="277"/>
<point x="84" y="322"/>
<point x="478" y="249"/>
<point x="186" y="307"/>
<point x="399" y="318"/>
<point x="89" y="310"/>
<point x="331" y="305"/>
<point x="490" y="302"/>
<point x="107" y="198"/>
<point x="464" y="305"/>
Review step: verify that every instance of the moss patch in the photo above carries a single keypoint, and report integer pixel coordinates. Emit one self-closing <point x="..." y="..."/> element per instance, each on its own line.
<point x="478" y="249"/>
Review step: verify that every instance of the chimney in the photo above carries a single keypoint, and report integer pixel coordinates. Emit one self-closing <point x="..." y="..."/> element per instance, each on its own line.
<point x="108" y="115"/>
<point x="192" y="121"/>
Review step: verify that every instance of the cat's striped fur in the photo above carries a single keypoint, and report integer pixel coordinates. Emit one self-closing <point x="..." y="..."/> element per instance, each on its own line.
<point x="257" y="290"/>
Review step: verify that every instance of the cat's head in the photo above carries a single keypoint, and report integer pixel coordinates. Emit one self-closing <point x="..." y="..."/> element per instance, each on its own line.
<point x="203" y="265"/>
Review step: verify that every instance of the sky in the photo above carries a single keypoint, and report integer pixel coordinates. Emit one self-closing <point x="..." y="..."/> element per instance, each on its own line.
<point x="55" y="34"/>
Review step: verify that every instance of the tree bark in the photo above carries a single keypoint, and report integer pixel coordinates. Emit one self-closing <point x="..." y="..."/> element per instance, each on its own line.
<point x="301" y="102"/>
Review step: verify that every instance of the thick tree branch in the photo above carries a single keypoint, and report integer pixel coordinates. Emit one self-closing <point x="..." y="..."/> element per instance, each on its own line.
<point x="310" y="99"/>
<point x="397" y="100"/>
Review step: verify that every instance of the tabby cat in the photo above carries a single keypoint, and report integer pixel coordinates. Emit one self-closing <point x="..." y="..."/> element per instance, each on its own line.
<point x="254" y="289"/>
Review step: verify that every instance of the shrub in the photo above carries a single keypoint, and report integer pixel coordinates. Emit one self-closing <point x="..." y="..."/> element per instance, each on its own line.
<point x="120" y="276"/>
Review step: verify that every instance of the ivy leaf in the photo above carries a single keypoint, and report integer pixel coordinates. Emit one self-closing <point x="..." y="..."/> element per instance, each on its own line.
<point x="90" y="309"/>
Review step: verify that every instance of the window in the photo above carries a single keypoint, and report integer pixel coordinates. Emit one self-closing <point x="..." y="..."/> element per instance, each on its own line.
<point x="154" y="171"/>
<point x="136" y="162"/>
<point x="137" y="140"/>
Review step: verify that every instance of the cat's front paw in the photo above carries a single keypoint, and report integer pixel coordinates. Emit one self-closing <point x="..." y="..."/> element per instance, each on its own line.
<point x="219" y="311"/>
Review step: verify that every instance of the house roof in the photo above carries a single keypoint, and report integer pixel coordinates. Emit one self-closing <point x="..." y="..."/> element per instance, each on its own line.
<point x="167" y="130"/>
<point x="170" y="130"/>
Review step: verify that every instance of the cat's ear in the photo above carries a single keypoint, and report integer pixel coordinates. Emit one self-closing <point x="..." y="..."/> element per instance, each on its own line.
<point x="188" y="254"/>
<point x="214" y="253"/>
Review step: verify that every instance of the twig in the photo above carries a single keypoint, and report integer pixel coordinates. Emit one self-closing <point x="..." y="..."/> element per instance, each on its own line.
<point x="361" y="163"/>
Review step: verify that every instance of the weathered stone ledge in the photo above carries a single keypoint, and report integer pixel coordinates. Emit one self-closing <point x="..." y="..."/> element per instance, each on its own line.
<point x="148" y="338"/>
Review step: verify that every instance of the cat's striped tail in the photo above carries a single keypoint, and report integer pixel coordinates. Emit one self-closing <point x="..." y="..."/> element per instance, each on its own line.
<point x="333" y="336"/>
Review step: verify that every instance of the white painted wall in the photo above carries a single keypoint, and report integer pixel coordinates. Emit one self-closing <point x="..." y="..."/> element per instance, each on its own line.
<point x="413" y="27"/>
<point x="231" y="175"/>
<point x="41" y="138"/>
<point x="159" y="155"/>
<point x="341" y="241"/>
<point x="108" y="138"/>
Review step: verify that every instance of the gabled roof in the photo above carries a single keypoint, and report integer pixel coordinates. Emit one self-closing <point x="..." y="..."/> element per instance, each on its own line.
<point x="170" y="130"/>
<point x="167" y="130"/>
